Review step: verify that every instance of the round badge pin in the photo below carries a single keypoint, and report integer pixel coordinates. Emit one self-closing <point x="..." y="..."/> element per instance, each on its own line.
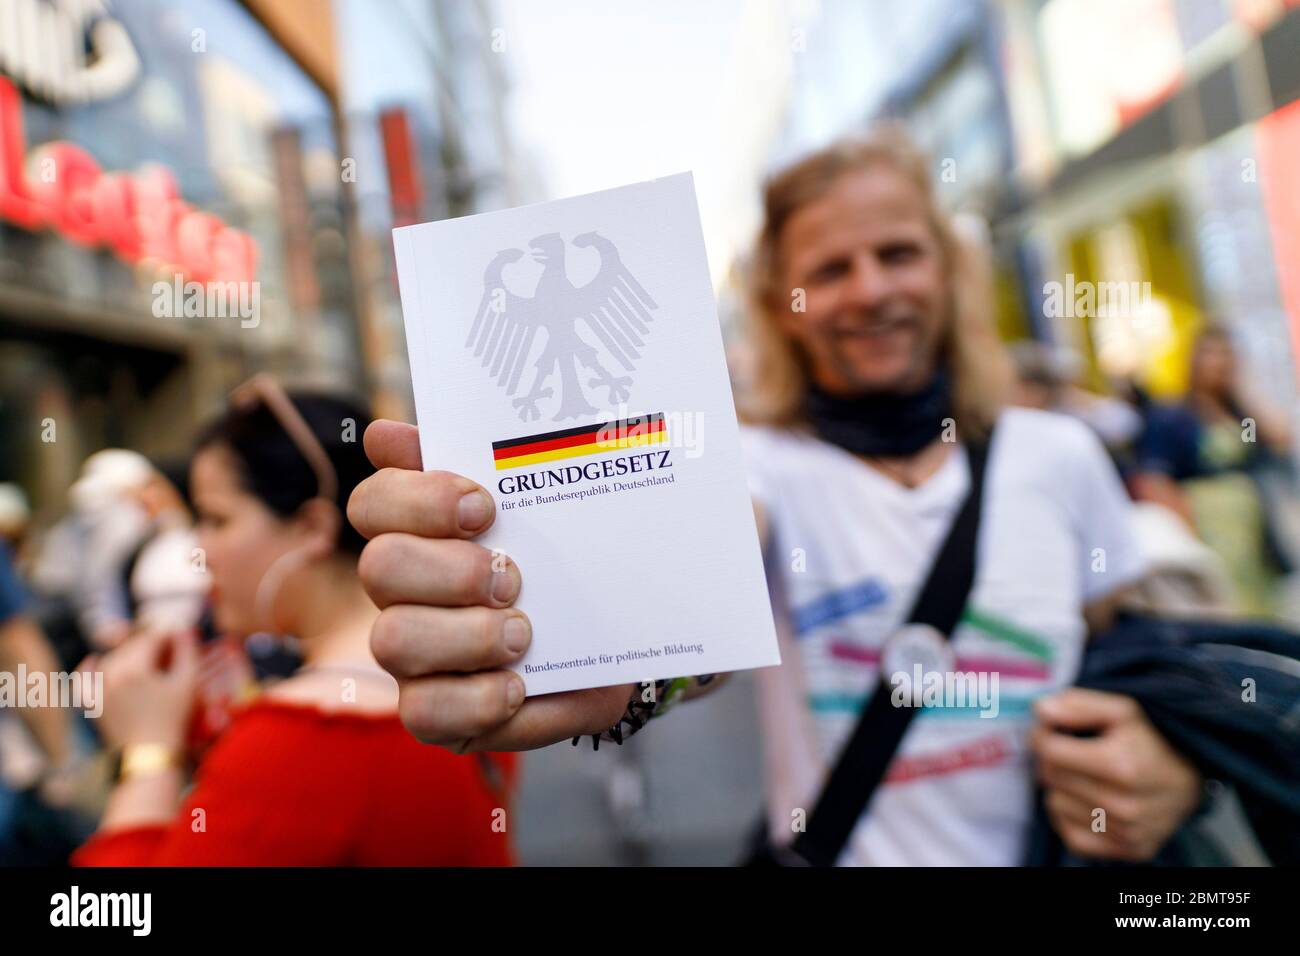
<point x="912" y="652"/>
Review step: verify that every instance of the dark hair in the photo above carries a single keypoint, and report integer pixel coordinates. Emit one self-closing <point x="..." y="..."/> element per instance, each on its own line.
<point x="273" y="469"/>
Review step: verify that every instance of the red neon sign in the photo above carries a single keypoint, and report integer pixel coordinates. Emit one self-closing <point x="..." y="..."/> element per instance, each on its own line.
<point x="139" y="216"/>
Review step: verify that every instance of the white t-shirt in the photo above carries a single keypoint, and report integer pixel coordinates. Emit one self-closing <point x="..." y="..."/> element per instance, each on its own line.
<point x="849" y="549"/>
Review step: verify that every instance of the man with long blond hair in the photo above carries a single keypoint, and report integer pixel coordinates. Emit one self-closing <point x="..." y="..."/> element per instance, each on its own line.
<point x="878" y="375"/>
<point x="877" y="364"/>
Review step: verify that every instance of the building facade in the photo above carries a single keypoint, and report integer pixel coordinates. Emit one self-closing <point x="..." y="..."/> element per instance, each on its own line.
<point x="173" y="217"/>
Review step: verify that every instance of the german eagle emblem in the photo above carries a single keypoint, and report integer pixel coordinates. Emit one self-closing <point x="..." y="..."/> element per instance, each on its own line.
<point x="612" y="310"/>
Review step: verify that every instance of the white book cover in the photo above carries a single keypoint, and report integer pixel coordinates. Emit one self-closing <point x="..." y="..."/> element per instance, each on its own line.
<point x="567" y="356"/>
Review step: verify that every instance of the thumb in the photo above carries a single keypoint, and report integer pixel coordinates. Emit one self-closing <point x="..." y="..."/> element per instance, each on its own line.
<point x="1077" y="708"/>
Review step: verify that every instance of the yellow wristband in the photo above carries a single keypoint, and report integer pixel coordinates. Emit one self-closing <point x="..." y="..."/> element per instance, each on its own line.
<point x="145" y="759"/>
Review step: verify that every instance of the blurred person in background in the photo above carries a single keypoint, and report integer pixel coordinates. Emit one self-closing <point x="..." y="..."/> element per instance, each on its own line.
<point x="318" y="769"/>
<point x="111" y="526"/>
<point x="24" y="650"/>
<point x="895" y="345"/>
<point x="1205" y="459"/>
<point x="15" y="516"/>
<point x="123" y="557"/>
<point x="1184" y="575"/>
<point x="166" y="582"/>
<point x="1047" y="379"/>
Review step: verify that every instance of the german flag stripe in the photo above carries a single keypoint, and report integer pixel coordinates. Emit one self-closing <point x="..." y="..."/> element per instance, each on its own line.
<point x="621" y="427"/>
<point x="577" y="451"/>
<point x="573" y="441"/>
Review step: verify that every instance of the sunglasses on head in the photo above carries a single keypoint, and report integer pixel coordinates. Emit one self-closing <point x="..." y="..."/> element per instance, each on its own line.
<point x="264" y="389"/>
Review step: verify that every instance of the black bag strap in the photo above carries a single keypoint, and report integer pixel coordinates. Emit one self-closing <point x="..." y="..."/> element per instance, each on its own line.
<point x="866" y="756"/>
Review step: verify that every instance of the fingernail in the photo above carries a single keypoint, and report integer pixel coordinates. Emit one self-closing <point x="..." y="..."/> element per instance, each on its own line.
<point x="517" y="632"/>
<point x="473" y="511"/>
<point x="514" y="692"/>
<point x="505" y="584"/>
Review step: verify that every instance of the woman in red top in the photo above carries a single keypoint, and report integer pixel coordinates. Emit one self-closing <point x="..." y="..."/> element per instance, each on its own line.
<point x="318" y="770"/>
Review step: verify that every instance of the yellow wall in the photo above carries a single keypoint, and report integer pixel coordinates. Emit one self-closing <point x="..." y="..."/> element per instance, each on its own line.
<point x="1163" y="359"/>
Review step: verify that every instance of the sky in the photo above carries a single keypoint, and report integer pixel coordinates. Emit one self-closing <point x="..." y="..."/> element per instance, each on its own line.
<point x="607" y="94"/>
<point x="383" y="57"/>
<point x="602" y="94"/>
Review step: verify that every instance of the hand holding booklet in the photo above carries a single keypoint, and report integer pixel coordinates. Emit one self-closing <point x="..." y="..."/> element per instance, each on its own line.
<point x="567" y="356"/>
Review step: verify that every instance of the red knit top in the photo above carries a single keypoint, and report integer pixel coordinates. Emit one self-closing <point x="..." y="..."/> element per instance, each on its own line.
<point x="288" y="784"/>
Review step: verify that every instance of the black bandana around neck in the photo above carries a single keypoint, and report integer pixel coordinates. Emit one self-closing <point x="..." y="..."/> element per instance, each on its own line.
<point x="882" y="424"/>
